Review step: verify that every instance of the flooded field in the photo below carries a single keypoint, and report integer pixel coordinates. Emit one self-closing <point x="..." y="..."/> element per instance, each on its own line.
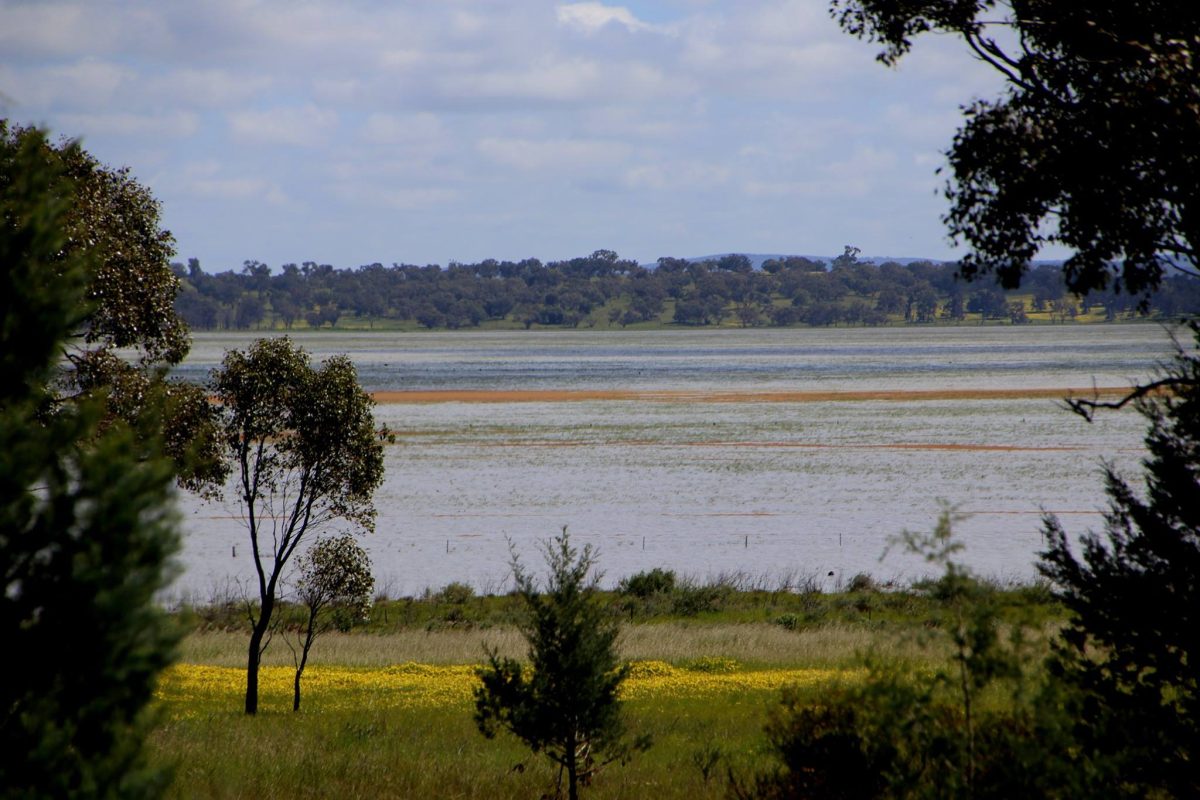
<point x="768" y="454"/>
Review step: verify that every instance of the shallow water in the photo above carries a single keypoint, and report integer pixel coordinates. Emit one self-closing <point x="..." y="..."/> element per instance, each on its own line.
<point x="692" y="469"/>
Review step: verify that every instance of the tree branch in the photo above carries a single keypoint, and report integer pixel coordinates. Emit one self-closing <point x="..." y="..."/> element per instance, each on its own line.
<point x="1087" y="408"/>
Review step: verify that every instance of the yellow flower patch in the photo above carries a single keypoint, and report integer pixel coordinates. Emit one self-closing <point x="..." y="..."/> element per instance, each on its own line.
<point x="194" y="689"/>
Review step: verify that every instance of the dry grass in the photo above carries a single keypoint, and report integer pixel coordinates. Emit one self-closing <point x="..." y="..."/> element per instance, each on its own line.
<point x="760" y="644"/>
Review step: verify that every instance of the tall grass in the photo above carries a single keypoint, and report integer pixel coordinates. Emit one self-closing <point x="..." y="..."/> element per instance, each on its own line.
<point x="752" y="645"/>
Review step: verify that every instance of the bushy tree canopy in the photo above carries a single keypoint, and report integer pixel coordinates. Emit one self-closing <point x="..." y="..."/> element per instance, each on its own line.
<point x="304" y="450"/>
<point x="110" y="224"/>
<point x="86" y="530"/>
<point x="1092" y="146"/>
<point x="334" y="588"/>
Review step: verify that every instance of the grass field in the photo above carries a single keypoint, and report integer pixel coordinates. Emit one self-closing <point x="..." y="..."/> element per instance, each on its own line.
<point x="387" y="710"/>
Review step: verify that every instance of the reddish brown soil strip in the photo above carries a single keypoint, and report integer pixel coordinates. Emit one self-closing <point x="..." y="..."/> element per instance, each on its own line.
<point x="673" y="396"/>
<point x="973" y="448"/>
<point x="974" y="511"/>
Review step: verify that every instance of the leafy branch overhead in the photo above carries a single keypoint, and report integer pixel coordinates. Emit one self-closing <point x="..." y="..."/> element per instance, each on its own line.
<point x="1093" y="144"/>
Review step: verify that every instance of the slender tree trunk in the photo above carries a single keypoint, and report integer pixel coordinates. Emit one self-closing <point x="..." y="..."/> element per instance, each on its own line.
<point x="309" y="635"/>
<point x="257" y="634"/>
<point x="296" y="689"/>
<point x="572" y="772"/>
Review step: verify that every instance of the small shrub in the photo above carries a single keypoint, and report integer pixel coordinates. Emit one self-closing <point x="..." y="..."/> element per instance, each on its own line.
<point x="690" y="600"/>
<point x="789" y="621"/>
<point x="455" y="594"/>
<point x="647" y="584"/>
<point x="862" y="582"/>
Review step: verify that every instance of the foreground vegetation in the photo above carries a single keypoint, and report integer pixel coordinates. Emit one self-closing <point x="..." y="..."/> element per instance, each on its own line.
<point x="388" y="704"/>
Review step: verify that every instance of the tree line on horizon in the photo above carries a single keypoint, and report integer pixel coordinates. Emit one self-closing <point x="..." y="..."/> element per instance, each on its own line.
<point x="603" y="288"/>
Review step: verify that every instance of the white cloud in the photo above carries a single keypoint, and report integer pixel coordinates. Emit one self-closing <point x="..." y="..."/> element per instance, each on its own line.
<point x="88" y="83"/>
<point x="649" y="116"/>
<point x="422" y="129"/>
<point x="397" y="198"/>
<point x="304" y="126"/>
<point x="677" y="176"/>
<point x="171" y="124"/>
<point x="591" y="17"/>
<point x="210" y="179"/>
<point x="207" y="88"/>
<point x="556" y="154"/>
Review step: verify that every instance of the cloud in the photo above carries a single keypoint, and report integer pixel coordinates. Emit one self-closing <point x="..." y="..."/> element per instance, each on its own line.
<point x="88" y="83"/>
<point x="557" y="154"/>
<point x="207" y="88"/>
<point x="210" y="179"/>
<point x="303" y="126"/>
<point x="591" y="17"/>
<point x="647" y="115"/>
<point x="677" y="176"/>
<point x="171" y="124"/>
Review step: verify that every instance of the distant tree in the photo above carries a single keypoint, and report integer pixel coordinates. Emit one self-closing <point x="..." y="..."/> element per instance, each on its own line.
<point x="329" y="312"/>
<point x="848" y="257"/>
<point x="86" y="526"/>
<point x="304" y="451"/>
<point x="1045" y="164"/>
<point x="1133" y="641"/>
<point x="924" y="303"/>
<point x="565" y="703"/>
<point x="1016" y="312"/>
<point x="334" y="588"/>
<point x="196" y="310"/>
<point x="989" y="302"/>
<point x="286" y="309"/>
<point x="250" y="311"/>
<point x="735" y="263"/>
<point x="891" y="300"/>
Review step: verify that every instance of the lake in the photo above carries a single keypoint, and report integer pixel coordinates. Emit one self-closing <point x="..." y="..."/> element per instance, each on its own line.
<point x="765" y="454"/>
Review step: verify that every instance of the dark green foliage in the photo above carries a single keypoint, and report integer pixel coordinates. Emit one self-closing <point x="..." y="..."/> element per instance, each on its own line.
<point x="86" y="530"/>
<point x="1047" y="162"/>
<point x="110" y="224"/>
<point x="334" y="588"/>
<point x="903" y="733"/>
<point x="454" y="594"/>
<point x="303" y="445"/>
<point x="1133" y="644"/>
<point x="564" y="701"/>
<point x="503" y="294"/>
<point x="646" y="584"/>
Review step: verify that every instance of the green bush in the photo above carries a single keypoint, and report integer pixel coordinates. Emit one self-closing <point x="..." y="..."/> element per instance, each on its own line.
<point x="647" y="584"/>
<point x="789" y="621"/>
<point x="455" y="594"/>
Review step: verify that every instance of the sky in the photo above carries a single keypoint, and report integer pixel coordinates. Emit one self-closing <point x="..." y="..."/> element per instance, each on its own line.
<point x="350" y="132"/>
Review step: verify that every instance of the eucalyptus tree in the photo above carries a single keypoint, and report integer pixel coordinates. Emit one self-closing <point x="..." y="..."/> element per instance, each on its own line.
<point x="304" y="452"/>
<point x="1092" y="145"/>
<point x="127" y="334"/>
<point x="334" y="589"/>
<point x="86" y="530"/>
